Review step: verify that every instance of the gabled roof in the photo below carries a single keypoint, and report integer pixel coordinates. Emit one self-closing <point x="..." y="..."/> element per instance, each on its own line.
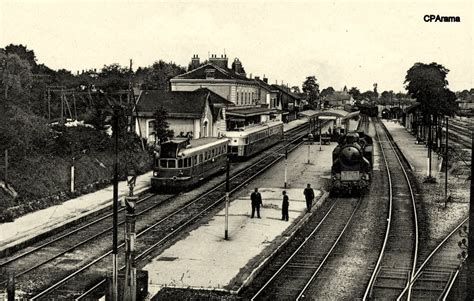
<point x="219" y="73"/>
<point x="184" y="104"/>
<point x="281" y="89"/>
<point x="265" y="85"/>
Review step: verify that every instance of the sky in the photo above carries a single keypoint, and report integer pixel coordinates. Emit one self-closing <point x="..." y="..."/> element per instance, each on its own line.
<point x="342" y="43"/>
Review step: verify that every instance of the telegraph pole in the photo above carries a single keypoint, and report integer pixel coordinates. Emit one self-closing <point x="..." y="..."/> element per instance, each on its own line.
<point x="115" y="211"/>
<point x="130" y="285"/>
<point x="286" y="161"/>
<point x="446" y="162"/>
<point x="227" y="189"/>
<point x="470" y="246"/>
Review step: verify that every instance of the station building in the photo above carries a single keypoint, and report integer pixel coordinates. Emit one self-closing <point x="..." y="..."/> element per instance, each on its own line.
<point x="248" y="96"/>
<point x="197" y="114"/>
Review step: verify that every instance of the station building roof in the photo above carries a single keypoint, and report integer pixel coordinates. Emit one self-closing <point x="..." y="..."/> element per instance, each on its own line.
<point x="253" y="111"/>
<point x="179" y="104"/>
<point x="219" y="73"/>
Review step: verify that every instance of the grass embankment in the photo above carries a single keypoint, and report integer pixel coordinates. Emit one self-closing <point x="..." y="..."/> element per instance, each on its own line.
<point x="42" y="181"/>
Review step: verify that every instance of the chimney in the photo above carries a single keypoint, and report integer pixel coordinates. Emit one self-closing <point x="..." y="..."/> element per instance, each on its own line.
<point x="257" y="77"/>
<point x="265" y="80"/>
<point x="237" y="66"/>
<point x="195" y="61"/>
<point x="219" y="61"/>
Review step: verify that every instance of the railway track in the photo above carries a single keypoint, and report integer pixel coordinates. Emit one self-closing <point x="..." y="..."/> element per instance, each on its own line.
<point x="396" y="264"/>
<point x="89" y="272"/>
<point x="296" y="274"/>
<point x="435" y="274"/>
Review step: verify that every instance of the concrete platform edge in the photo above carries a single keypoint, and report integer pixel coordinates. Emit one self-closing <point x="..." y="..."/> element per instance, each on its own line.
<point x="33" y="238"/>
<point x="293" y="230"/>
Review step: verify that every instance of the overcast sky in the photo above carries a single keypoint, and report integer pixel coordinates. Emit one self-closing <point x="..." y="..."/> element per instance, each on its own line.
<point x="353" y="43"/>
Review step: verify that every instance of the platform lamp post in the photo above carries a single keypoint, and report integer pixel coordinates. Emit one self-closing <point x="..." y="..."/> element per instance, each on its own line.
<point x="115" y="209"/>
<point x="286" y="161"/>
<point x="446" y="160"/>
<point x="227" y="199"/>
<point x="470" y="246"/>
<point x="130" y="285"/>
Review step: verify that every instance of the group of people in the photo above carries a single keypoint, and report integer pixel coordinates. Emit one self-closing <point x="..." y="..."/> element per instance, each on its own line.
<point x="256" y="199"/>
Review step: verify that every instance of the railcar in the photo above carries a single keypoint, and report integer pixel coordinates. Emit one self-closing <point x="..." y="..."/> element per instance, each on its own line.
<point x="183" y="163"/>
<point x="368" y="109"/>
<point x="244" y="143"/>
<point x="352" y="161"/>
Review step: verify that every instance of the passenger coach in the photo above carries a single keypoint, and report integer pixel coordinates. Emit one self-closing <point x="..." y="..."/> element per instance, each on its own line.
<point x="184" y="163"/>
<point x="249" y="141"/>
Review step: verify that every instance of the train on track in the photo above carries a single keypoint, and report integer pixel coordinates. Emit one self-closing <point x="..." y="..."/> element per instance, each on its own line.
<point x="246" y="142"/>
<point x="183" y="163"/>
<point x="368" y="109"/>
<point x="352" y="162"/>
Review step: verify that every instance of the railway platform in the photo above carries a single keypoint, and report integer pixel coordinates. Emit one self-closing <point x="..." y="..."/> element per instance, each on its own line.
<point x="29" y="226"/>
<point x="204" y="260"/>
<point x="416" y="154"/>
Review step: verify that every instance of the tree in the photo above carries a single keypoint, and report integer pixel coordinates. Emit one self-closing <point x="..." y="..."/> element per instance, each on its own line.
<point x="15" y="75"/>
<point x="295" y="89"/>
<point x="23" y="53"/>
<point x="113" y="78"/>
<point x="158" y="75"/>
<point x="161" y="125"/>
<point x="355" y="93"/>
<point x="368" y="95"/>
<point x="311" y="89"/>
<point x="427" y="83"/>
<point x="327" y="91"/>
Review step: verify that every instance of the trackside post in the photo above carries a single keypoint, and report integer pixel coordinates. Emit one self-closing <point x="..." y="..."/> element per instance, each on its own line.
<point x="227" y="188"/>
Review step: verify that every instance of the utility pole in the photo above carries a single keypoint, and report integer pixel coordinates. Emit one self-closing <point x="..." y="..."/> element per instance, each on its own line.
<point x="286" y="161"/>
<point x="446" y="162"/>
<point x="429" y="148"/>
<point x="227" y="190"/>
<point x="470" y="246"/>
<point x="115" y="211"/>
<point x="130" y="285"/>
<point x="320" y="142"/>
<point x="6" y="168"/>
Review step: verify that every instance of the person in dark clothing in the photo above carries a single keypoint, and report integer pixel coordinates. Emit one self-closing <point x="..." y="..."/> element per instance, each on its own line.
<point x="256" y="199"/>
<point x="309" y="196"/>
<point x="284" y="207"/>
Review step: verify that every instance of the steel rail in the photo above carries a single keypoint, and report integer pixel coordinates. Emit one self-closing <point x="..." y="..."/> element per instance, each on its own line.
<point x="294" y="253"/>
<point x="430" y="256"/>
<point x="415" y="218"/>
<point x="389" y="220"/>
<point x="64" y="280"/>
<point x="301" y="294"/>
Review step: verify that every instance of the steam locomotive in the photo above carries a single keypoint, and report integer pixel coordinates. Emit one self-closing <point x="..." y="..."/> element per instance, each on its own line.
<point x="352" y="162"/>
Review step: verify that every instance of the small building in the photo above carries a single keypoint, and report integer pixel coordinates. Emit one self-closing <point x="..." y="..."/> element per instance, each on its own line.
<point x="199" y="113"/>
<point x="290" y="103"/>
<point x="338" y="99"/>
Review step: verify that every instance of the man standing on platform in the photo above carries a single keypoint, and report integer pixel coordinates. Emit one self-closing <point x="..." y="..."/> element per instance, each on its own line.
<point x="284" y="207"/>
<point x="309" y="195"/>
<point x="256" y="199"/>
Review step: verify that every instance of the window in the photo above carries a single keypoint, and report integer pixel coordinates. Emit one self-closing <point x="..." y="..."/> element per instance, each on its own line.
<point x="172" y="163"/>
<point x="189" y="162"/>
<point x="201" y="158"/>
<point x="213" y="153"/>
<point x="195" y="160"/>
<point x="163" y="163"/>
